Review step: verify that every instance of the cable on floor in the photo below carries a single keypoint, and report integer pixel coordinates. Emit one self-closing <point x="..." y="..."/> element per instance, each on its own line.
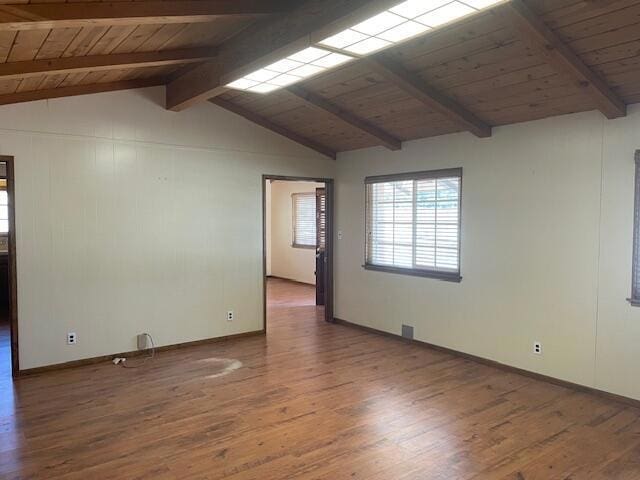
<point x="123" y="361"/>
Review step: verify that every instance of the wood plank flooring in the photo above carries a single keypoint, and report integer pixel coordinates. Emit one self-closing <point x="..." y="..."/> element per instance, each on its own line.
<point x="312" y="401"/>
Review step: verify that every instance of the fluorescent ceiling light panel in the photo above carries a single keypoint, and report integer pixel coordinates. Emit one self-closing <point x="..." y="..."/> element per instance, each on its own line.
<point x="446" y="14"/>
<point x="284" y="66"/>
<point x="290" y="70"/>
<point x="264" y="88"/>
<point x="332" y="60"/>
<point x="284" y="80"/>
<point x="404" y="31"/>
<point x="242" y="84"/>
<point x="308" y="55"/>
<point x="344" y="39"/>
<point x="306" y="71"/>
<point x="379" y="23"/>
<point x="370" y="45"/>
<point x="261" y="75"/>
<point x="406" y="20"/>
<point x="415" y="8"/>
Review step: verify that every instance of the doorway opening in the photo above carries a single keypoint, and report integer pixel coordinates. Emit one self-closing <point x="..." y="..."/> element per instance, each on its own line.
<point x="298" y="250"/>
<point x="8" y="313"/>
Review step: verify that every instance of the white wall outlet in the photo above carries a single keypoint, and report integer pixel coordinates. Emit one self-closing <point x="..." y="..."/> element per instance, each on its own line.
<point x="537" y="348"/>
<point x="230" y="316"/>
<point x="339" y="234"/>
<point x="72" y="338"/>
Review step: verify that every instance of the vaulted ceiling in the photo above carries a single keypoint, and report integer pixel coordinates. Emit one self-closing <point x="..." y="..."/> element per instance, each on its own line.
<point x="519" y="61"/>
<point x="57" y="49"/>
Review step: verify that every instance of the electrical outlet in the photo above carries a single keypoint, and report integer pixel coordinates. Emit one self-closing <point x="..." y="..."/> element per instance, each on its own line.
<point x="230" y="316"/>
<point x="339" y="234"/>
<point x="72" y="338"/>
<point x="537" y="348"/>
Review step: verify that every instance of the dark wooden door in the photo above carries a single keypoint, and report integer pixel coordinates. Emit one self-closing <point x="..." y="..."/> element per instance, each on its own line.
<point x="321" y="244"/>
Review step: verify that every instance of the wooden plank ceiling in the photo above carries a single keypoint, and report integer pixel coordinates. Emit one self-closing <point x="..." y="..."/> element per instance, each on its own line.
<point x="80" y="48"/>
<point x="523" y="60"/>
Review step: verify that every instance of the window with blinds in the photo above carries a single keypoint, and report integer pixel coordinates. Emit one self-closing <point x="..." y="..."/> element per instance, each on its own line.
<point x="635" y="278"/>
<point x="304" y="220"/>
<point x="4" y="210"/>
<point x="413" y="223"/>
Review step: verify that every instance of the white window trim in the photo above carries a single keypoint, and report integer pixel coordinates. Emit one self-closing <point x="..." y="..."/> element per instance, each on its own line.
<point x="294" y="216"/>
<point x="418" y="272"/>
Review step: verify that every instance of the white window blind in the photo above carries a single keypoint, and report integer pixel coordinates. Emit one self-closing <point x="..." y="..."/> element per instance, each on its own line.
<point x="413" y="222"/>
<point x="4" y="212"/>
<point x="304" y="220"/>
<point x="321" y="219"/>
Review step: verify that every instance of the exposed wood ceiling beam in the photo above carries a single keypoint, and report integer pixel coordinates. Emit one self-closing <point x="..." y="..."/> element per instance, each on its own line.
<point x="33" y="16"/>
<point x="414" y="86"/>
<point x="263" y="44"/>
<point x="20" y="97"/>
<point x="94" y="63"/>
<point x="269" y="125"/>
<point x="532" y="29"/>
<point x="322" y="104"/>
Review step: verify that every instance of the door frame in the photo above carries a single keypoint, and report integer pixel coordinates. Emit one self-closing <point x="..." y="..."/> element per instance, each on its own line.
<point x="328" y="274"/>
<point x="13" y="272"/>
<point x="321" y="196"/>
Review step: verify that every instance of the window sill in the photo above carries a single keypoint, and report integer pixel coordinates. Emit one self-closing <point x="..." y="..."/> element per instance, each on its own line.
<point x="305" y="247"/>
<point x="634" y="302"/>
<point x="446" y="277"/>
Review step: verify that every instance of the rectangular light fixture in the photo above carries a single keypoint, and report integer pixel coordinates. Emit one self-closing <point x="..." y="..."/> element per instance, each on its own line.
<point x="402" y="22"/>
<point x="406" y="20"/>
<point x="290" y="70"/>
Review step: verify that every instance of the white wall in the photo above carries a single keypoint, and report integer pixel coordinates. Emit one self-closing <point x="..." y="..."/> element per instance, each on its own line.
<point x="547" y="217"/>
<point x="617" y="349"/>
<point x="131" y="218"/>
<point x="297" y="264"/>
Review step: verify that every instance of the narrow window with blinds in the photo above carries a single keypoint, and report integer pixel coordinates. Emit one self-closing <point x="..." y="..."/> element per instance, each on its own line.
<point x="304" y="220"/>
<point x="413" y="224"/>
<point x="635" y="276"/>
<point x="4" y="208"/>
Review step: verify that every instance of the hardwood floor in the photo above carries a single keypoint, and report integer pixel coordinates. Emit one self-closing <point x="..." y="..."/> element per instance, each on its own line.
<point x="5" y="345"/>
<point x="5" y="366"/>
<point x="312" y="401"/>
